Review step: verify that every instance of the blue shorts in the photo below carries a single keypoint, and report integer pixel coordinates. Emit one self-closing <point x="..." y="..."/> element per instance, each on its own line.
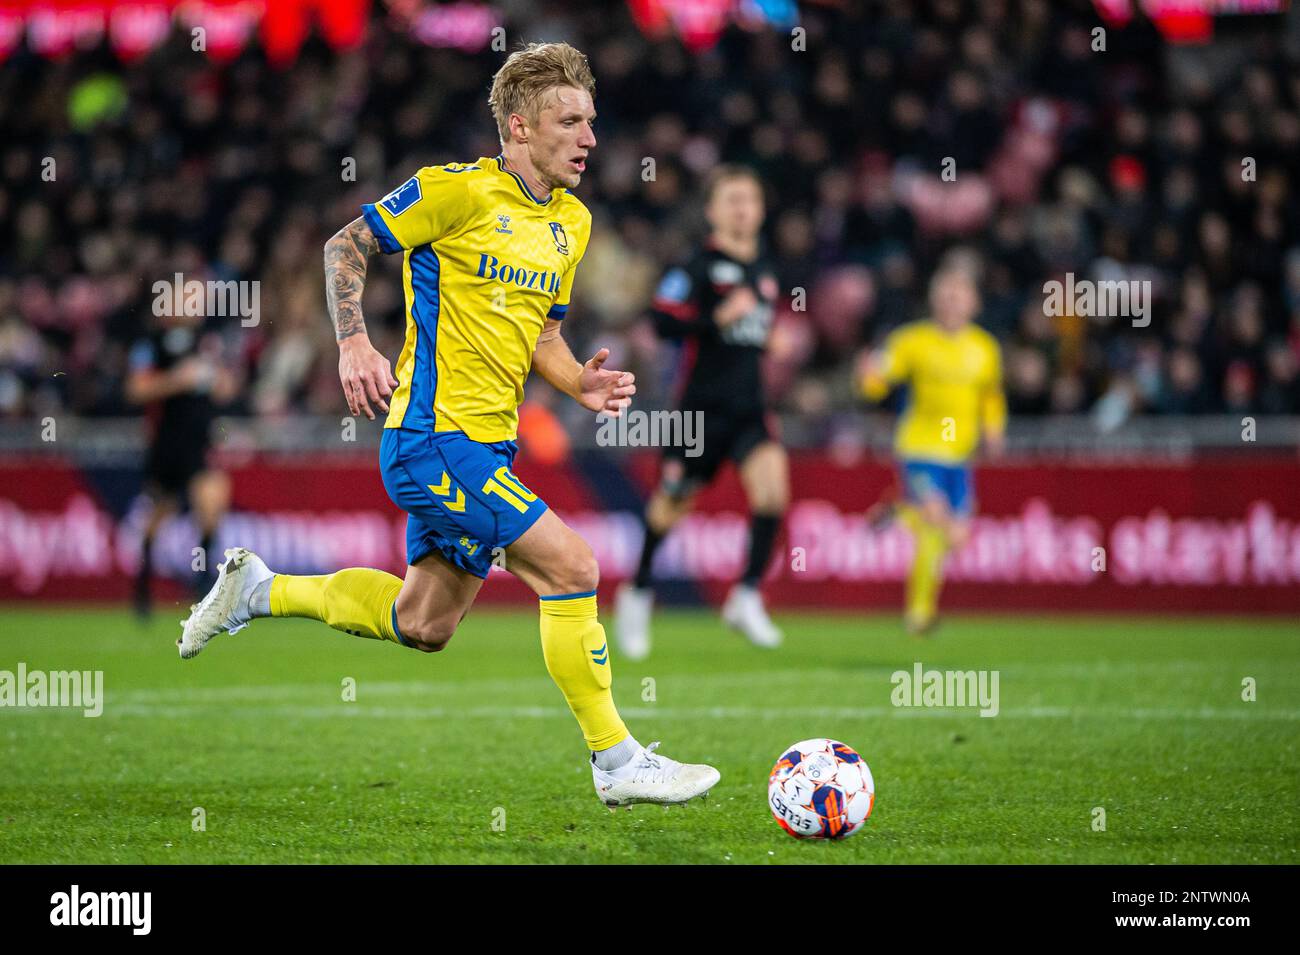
<point x="952" y="482"/>
<point x="460" y="496"/>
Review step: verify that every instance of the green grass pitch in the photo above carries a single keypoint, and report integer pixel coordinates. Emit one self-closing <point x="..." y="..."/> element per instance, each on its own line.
<point x="470" y="756"/>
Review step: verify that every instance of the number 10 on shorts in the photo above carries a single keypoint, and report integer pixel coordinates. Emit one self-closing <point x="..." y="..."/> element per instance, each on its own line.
<point x="506" y="486"/>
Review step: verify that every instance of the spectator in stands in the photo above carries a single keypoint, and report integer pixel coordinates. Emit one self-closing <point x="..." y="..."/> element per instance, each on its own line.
<point x="1065" y="162"/>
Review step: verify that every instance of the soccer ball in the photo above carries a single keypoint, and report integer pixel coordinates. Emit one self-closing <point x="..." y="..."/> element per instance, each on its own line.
<point x="820" y="789"/>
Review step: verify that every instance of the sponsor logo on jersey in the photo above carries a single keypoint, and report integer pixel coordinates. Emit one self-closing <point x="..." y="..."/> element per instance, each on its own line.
<point x="493" y="269"/>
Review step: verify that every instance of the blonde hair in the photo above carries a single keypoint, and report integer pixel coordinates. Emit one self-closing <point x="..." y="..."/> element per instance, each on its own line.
<point x="961" y="259"/>
<point x="526" y="76"/>
<point x="725" y="172"/>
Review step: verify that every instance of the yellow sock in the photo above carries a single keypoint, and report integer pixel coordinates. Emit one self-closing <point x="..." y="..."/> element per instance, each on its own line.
<point x="909" y="517"/>
<point x="927" y="572"/>
<point x="577" y="656"/>
<point x="359" y="601"/>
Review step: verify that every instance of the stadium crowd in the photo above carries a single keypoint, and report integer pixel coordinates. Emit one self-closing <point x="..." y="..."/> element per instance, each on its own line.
<point x="1060" y="158"/>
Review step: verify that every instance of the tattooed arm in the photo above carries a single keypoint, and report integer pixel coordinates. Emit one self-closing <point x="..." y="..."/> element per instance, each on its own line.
<point x="366" y="374"/>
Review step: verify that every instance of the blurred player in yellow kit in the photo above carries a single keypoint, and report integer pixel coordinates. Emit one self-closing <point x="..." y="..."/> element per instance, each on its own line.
<point x="489" y="250"/>
<point x="952" y="370"/>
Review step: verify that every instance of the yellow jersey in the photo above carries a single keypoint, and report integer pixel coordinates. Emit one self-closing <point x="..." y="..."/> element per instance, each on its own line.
<point x="484" y="264"/>
<point x="954" y="382"/>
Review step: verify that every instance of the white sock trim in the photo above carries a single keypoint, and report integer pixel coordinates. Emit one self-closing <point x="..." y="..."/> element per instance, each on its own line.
<point x="259" y="602"/>
<point x="620" y="754"/>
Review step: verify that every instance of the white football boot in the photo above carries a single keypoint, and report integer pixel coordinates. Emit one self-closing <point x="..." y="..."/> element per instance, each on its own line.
<point x="226" y="606"/>
<point x="744" y="611"/>
<point x="647" y="777"/>
<point x="632" y="606"/>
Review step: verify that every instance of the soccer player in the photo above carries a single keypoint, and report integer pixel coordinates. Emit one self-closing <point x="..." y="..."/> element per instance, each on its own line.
<point x="175" y="371"/>
<point x="721" y="304"/>
<point x="952" y="369"/>
<point x="489" y="250"/>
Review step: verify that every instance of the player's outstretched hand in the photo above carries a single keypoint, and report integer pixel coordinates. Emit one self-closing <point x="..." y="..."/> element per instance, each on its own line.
<point x="605" y="390"/>
<point x="366" y="375"/>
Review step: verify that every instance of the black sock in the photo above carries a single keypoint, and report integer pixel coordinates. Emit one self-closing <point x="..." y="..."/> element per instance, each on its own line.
<point x="142" y="575"/>
<point x="203" y="578"/>
<point x="763" y="529"/>
<point x="648" y="548"/>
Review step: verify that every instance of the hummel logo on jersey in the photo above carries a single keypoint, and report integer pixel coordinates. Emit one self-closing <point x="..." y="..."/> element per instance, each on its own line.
<point x="600" y="656"/>
<point x="490" y="267"/>
<point x="504" y="227"/>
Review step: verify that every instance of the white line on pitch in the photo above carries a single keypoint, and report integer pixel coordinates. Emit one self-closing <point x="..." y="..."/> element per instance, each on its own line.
<point x="361" y="709"/>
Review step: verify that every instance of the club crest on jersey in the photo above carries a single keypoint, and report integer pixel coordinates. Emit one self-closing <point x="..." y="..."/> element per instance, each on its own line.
<point x="504" y="227"/>
<point x="561" y="240"/>
<point x="403" y="197"/>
